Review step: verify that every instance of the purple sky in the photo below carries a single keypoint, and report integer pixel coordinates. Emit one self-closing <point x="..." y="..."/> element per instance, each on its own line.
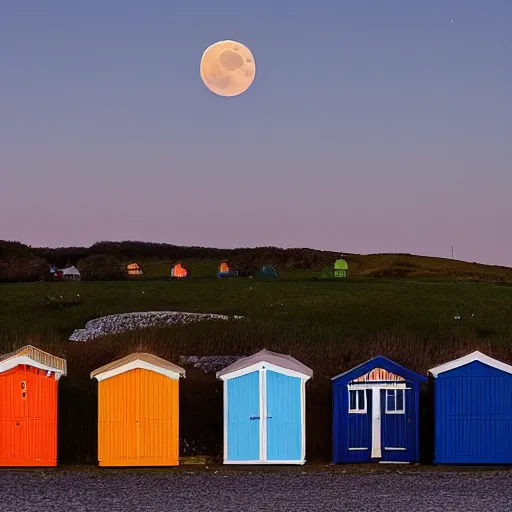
<point x="374" y="126"/>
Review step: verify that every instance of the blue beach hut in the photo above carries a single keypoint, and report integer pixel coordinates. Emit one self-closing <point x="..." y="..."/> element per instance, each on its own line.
<point x="375" y="413"/>
<point x="473" y="411"/>
<point x="265" y="409"/>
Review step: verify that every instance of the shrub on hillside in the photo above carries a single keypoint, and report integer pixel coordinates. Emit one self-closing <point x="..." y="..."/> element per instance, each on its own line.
<point x="18" y="263"/>
<point x="101" y="267"/>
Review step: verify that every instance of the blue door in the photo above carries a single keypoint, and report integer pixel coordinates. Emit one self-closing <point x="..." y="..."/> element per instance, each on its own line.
<point x="397" y="427"/>
<point x="284" y="418"/>
<point x="359" y="428"/>
<point x="244" y="418"/>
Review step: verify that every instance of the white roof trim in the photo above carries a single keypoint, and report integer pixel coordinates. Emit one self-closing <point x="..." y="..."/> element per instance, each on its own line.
<point x="259" y="366"/>
<point x="470" y="358"/>
<point x="137" y="364"/>
<point x="11" y="363"/>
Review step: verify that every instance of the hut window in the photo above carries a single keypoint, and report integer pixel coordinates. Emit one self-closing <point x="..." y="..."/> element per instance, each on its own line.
<point x="23" y="389"/>
<point x="395" y="401"/>
<point x="357" y="401"/>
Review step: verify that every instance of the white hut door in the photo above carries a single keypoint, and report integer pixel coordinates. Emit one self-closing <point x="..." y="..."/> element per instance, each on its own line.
<point x="376" y="424"/>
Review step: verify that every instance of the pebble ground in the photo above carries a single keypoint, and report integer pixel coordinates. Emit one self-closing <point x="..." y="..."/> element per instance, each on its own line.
<point x="281" y="491"/>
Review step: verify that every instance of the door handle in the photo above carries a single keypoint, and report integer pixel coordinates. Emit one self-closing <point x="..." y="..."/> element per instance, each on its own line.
<point x="269" y="417"/>
<point x="254" y="417"/>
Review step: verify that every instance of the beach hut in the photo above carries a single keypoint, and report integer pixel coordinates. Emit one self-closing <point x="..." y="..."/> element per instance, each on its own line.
<point x="133" y="269"/>
<point x="28" y="407"/>
<point x="375" y="413"/>
<point x="178" y="272"/>
<point x="138" y="411"/>
<point x="473" y="411"/>
<point x="71" y="274"/>
<point x="340" y="268"/>
<point x="265" y="409"/>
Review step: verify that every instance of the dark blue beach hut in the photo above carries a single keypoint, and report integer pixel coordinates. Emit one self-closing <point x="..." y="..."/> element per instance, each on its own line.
<point x="473" y="411"/>
<point x="375" y="413"/>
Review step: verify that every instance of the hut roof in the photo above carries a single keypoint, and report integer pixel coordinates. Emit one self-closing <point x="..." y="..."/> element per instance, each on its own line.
<point x="141" y="360"/>
<point x="35" y="357"/>
<point x="379" y="362"/>
<point x="470" y="358"/>
<point x="281" y="360"/>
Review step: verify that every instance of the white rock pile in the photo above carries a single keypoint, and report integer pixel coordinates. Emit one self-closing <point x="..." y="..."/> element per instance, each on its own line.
<point x="117" y="324"/>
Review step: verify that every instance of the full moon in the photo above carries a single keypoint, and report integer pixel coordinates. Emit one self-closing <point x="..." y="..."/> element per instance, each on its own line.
<point x="227" y="68"/>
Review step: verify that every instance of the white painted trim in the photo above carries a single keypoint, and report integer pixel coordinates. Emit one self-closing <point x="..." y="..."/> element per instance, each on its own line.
<point x="393" y="462"/>
<point x="393" y="448"/>
<point x="226" y="416"/>
<point x="378" y="385"/>
<point x="470" y="358"/>
<point x="263" y="415"/>
<point x="357" y="410"/>
<point x="357" y="449"/>
<point x="396" y="411"/>
<point x="263" y="462"/>
<point x="263" y="364"/>
<point x="9" y="364"/>
<point x="134" y="365"/>
<point x="376" y="425"/>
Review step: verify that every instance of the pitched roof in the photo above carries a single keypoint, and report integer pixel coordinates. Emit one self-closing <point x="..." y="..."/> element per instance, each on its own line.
<point x="71" y="271"/>
<point x="35" y="357"/>
<point x="137" y="360"/>
<point x="281" y="360"/>
<point x="385" y="363"/>
<point x="470" y="358"/>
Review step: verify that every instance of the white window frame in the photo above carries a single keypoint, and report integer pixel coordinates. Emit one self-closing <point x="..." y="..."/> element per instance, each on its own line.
<point x="396" y="411"/>
<point x="358" y="410"/>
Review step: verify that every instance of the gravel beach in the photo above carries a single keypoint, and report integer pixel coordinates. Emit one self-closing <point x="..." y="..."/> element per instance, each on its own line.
<point x="255" y="491"/>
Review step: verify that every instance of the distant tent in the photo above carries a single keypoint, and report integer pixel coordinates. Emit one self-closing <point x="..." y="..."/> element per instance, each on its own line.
<point x="178" y="272"/>
<point x="71" y="274"/>
<point x="340" y="268"/>
<point x="267" y="272"/>
<point x="225" y="271"/>
<point x="134" y="269"/>
<point x="327" y="273"/>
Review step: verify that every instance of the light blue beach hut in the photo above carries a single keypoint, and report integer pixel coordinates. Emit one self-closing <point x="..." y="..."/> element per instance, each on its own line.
<point x="265" y="409"/>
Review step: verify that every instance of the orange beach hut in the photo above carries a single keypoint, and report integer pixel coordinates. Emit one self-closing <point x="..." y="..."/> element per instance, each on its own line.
<point x="138" y="411"/>
<point x="28" y="407"/>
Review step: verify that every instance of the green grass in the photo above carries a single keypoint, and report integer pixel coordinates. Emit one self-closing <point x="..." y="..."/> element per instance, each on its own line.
<point x="347" y="307"/>
<point x="329" y="325"/>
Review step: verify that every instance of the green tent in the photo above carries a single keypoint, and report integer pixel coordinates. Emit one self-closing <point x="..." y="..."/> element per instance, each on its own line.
<point x="267" y="272"/>
<point x="326" y="273"/>
<point x="340" y="268"/>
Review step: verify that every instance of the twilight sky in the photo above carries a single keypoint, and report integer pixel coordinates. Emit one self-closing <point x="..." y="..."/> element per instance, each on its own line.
<point x="371" y="126"/>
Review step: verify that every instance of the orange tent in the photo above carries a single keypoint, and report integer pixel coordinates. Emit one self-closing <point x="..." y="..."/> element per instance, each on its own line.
<point x="138" y="411"/>
<point x="178" y="272"/>
<point x="224" y="268"/>
<point x="134" y="269"/>
<point x="28" y="407"/>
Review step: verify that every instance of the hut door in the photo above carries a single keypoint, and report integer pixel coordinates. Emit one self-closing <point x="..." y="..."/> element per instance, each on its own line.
<point x="397" y="424"/>
<point x="243" y="421"/>
<point x="359" y="423"/>
<point x="13" y="416"/>
<point x="283" y="417"/>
